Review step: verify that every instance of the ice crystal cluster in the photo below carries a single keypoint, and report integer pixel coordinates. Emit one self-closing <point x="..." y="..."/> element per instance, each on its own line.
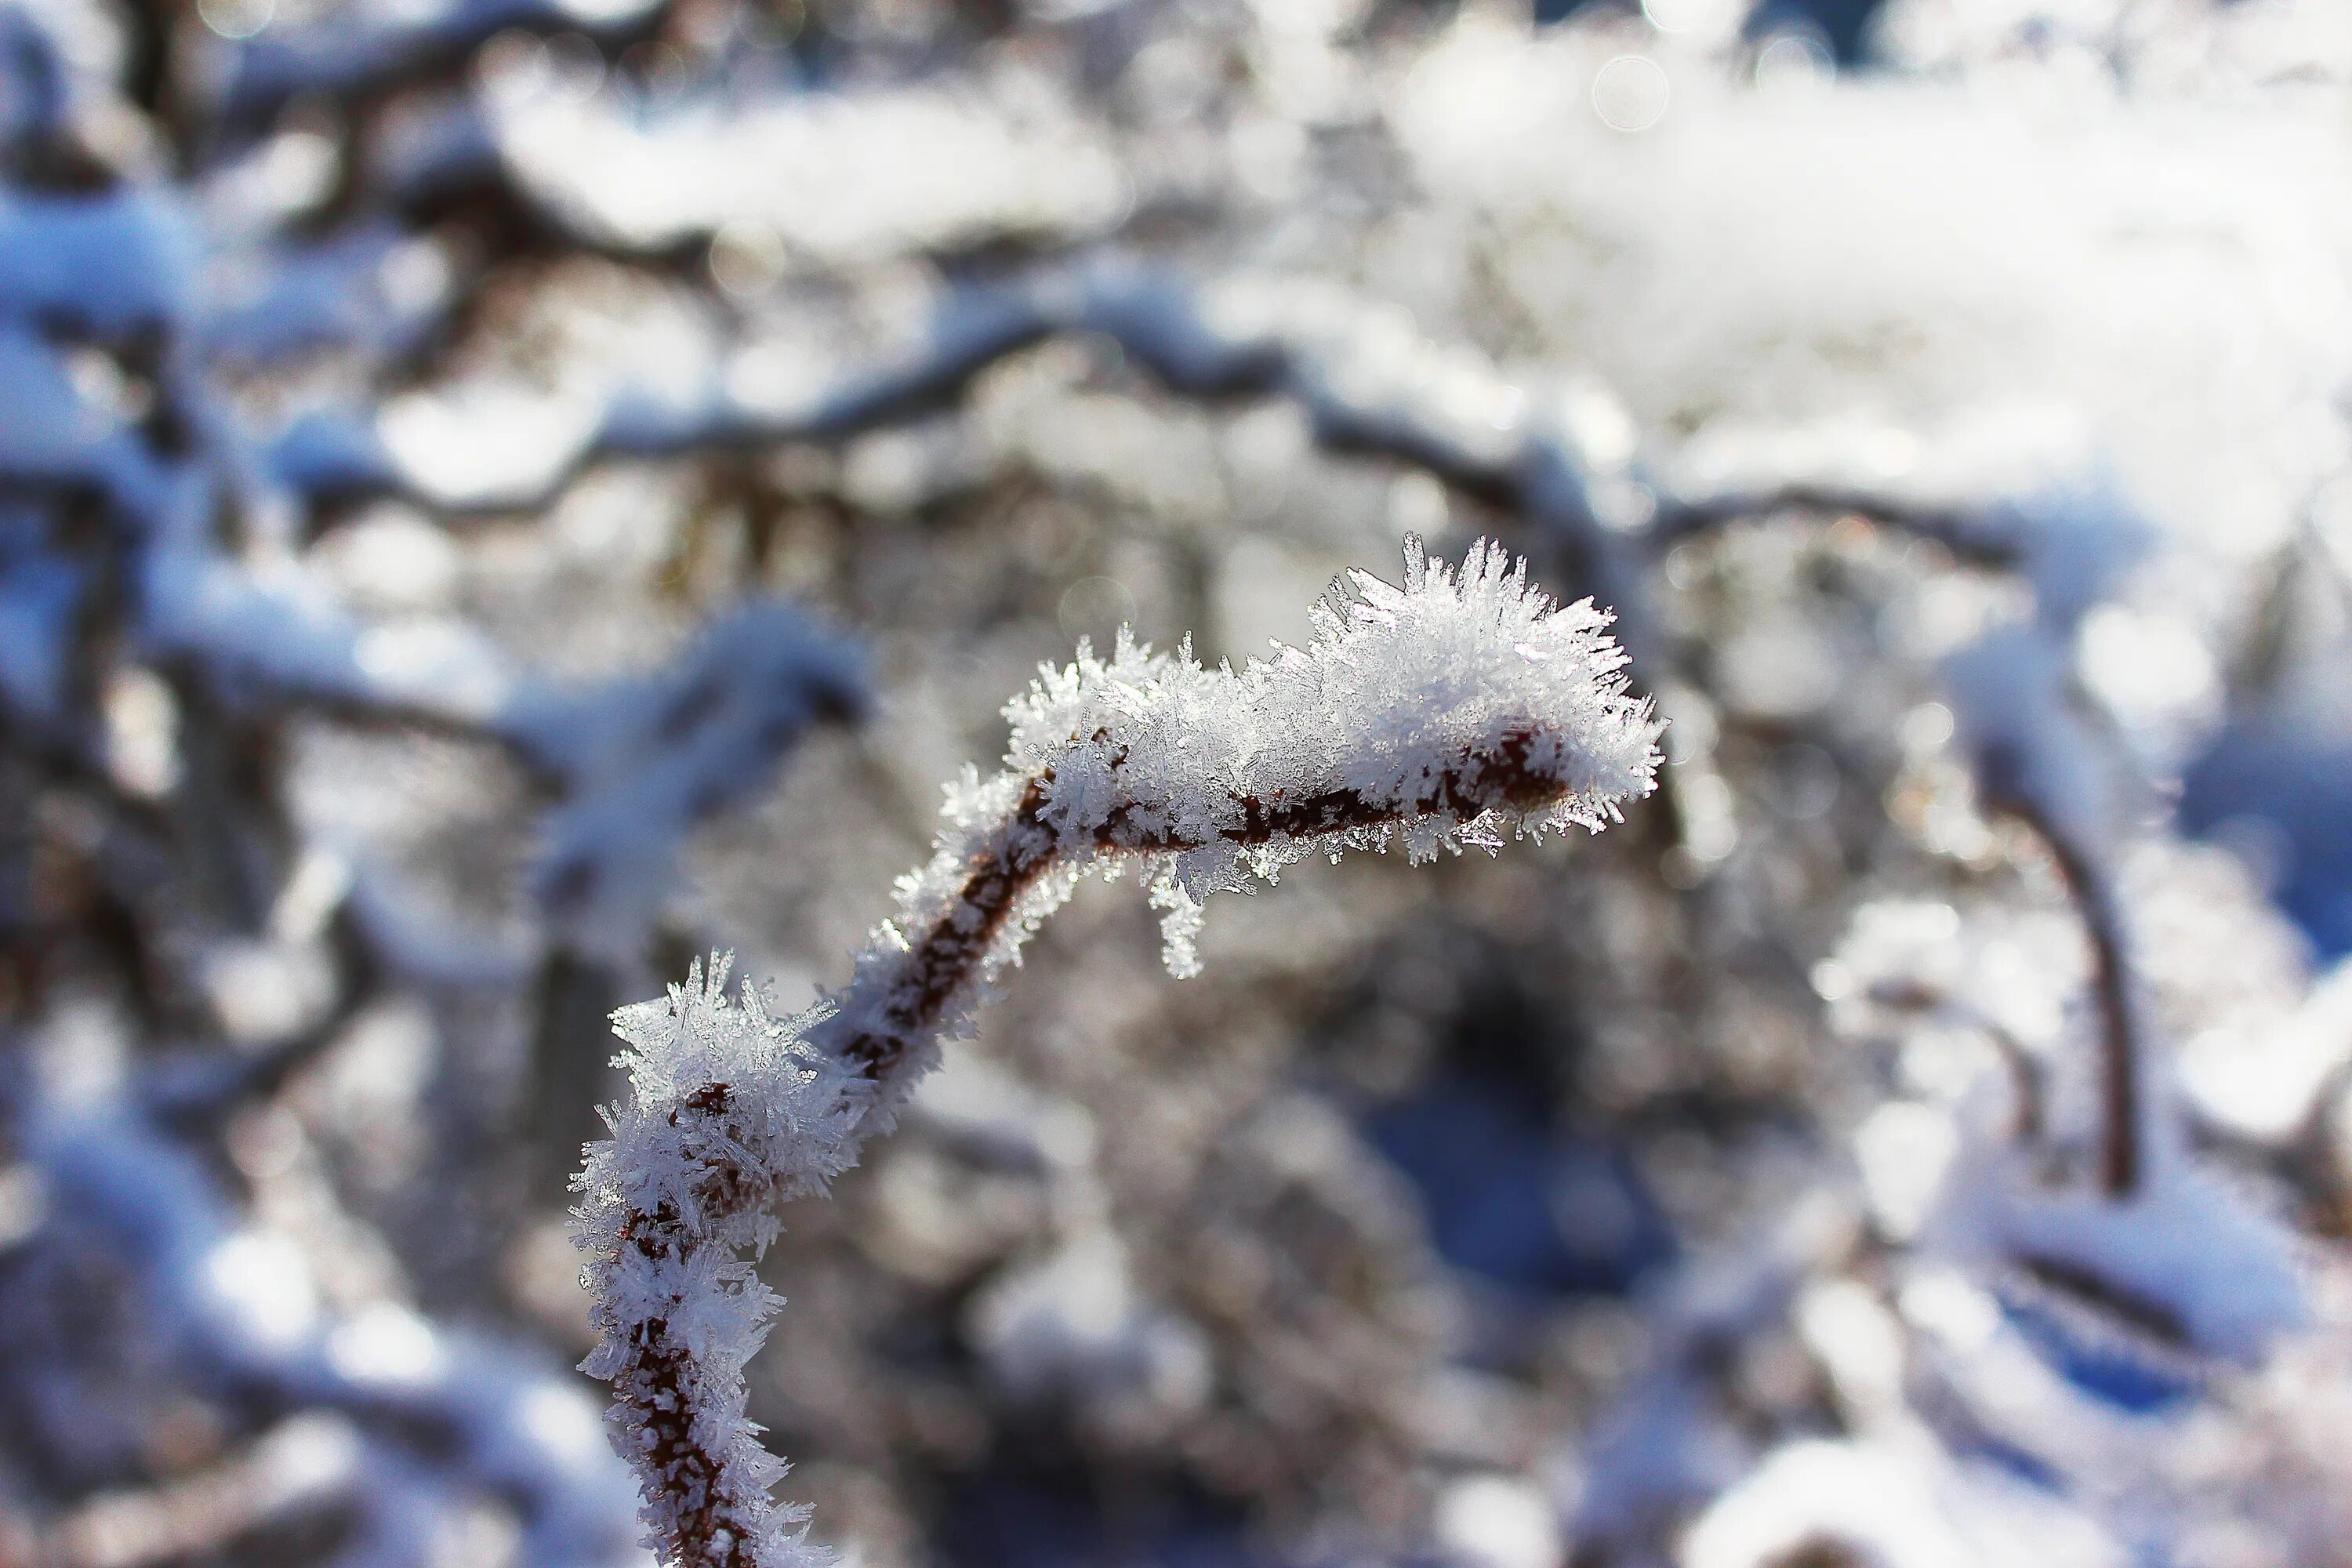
<point x="733" y="1110"/>
<point x="1443" y="713"/>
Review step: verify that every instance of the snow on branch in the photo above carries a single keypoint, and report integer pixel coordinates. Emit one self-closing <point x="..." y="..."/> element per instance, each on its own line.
<point x="1440" y="714"/>
<point x="232" y="1306"/>
<point x="839" y="176"/>
<point x="2040" y="762"/>
<point x="357" y="51"/>
<point x="640" y="760"/>
<point x="1368" y="379"/>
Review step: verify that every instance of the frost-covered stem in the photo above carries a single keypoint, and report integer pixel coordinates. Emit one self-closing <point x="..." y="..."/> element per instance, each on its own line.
<point x="712" y="1521"/>
<point x="1437" y="715"/>
<point x="2093" y="892"/>
<point x="945" y="962"/>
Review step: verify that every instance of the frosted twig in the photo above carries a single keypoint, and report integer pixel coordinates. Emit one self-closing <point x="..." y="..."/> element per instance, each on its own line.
<point x="1437" y="714"/>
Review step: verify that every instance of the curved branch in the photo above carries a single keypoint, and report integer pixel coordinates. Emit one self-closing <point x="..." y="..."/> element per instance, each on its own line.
<point x="1406" y="399"/>
<point x="1437" y="715"/>
<point x="1502" y="779"/>
<point x="2120" y="1046"/>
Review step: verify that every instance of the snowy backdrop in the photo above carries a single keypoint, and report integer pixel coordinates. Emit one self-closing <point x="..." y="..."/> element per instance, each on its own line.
<point x="502" y="498"/>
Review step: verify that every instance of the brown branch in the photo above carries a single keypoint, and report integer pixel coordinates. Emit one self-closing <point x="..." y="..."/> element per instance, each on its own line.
<point x="2120" y="1156"/>
<point x="949" y="956"/>
<point x="657" y="1391"/>
<point x="717" y="1529"/>
<point x="1956" y="526"/>
<point x="2028" y="1118"/>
